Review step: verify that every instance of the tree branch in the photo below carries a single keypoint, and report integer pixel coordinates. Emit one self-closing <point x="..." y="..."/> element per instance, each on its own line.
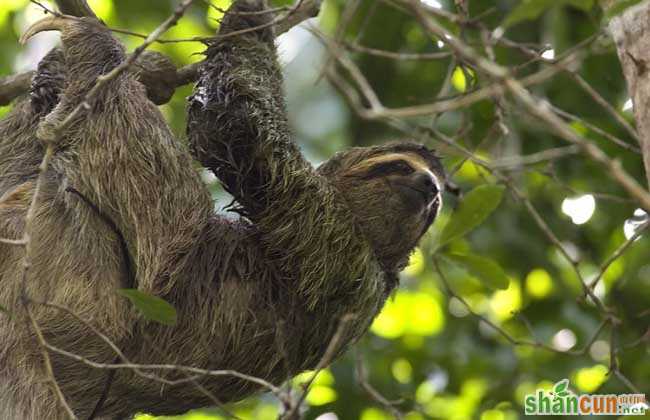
<point x="156" y="68"/>
<point x="631" y="33"/>
<point x="13" y="86"/>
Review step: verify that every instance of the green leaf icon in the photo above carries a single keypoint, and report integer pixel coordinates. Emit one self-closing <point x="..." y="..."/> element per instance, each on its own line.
<point x="152" y="307"/>
<point x="560" y="388"/>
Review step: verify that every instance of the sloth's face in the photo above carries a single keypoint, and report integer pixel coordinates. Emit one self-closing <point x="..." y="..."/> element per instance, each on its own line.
<point x="396" y="196"/>
<point x="408" y="177"/>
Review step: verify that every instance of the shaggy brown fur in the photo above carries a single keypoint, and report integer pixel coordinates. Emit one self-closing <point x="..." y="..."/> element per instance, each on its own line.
<point x="262" y="295"/>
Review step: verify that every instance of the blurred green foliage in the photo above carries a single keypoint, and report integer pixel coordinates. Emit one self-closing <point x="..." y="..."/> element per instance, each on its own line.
<point x="425" y="349"/>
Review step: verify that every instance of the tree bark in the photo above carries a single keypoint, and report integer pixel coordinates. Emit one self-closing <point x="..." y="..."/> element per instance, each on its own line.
<point x="14" y="86"/>
<point x="631" y="33"/>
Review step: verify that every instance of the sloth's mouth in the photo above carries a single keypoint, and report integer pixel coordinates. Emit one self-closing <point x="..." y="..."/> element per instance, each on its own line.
<point x="428" y="198"/>
<point x="420" y="199"/>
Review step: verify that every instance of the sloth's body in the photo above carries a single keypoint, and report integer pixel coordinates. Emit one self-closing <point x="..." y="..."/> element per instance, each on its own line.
<point x="262" y="295"/>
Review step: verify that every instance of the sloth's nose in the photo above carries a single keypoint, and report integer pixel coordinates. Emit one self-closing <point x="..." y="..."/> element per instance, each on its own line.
<point x="426" y="184"/>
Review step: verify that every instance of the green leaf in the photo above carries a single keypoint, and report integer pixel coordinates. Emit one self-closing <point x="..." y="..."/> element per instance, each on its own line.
<point x="584" y="5"/>
<point x="528" y="10"/>
<point x="619" y="7"/>
<point x="484" y="268"/>
<point x="152" y="307"/>
<point x="476" y="206"/>
<point x="532" y="9"/>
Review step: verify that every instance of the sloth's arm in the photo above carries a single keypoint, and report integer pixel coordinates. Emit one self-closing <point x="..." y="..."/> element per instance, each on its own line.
<point x="238" y="128"/>
<point x="237" y="119"/>
<point x="120" y="155"/>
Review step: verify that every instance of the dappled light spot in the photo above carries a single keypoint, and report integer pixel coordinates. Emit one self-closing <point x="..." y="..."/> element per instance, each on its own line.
<point x="564" y="340"/>
<point x="188" y="27"/>
<point x="549" y="54"/>
<point x="462" y="406"/>
<point x="504" y="302"/>
<point x="9" y="6"/>
<point x="374" y="414"/>
<point x="524" y="388"/>
<point x="633" y="224"/>
<point x="545" y="385"/>
<point x="416" y="263"/>
<point x="579" y="209"/>
<point x="291" y="43"/>
<point x="103" y="8"/>
<point x="215" y="12"/>
<point x="458" y="80"/>
<point x="425" y="392"/>
<point x="628" y="105"/>
<point x="413" y="342"/>
<point x="436" y="382"/>
<point x="409" y="312"/>
<point x="493" y="415"/>
<point x="402" y="371"/>
<point x="539" y="283"/>
<point x="590" y="379"/>
<point x="324" y="377"/>
<point x="321" y="395"/>
<point x="579" y="128"/>
<point x="328" y="416"/>
<point x="4" y="110"/>
<point x="433" y="3"/>
<point x="600" y="351"/>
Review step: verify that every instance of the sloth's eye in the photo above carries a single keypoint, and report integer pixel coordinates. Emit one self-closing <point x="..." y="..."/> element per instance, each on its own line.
<point x="400" y="167"/>
<point x="395" y="167"/>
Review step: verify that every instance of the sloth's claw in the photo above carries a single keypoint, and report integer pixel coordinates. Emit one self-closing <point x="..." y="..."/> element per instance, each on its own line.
<point x="52" y="23"/>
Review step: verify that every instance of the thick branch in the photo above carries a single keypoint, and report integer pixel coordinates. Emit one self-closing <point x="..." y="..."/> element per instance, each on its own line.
<point x="631" y="32"/>
<point x="302" y="10"/>
<point x="13" y="86"/>
<point x="156" y="77"/>
<point x="533" y="105"/>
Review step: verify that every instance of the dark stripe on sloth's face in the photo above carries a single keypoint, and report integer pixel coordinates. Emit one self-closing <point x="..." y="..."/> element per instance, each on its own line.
<point x="393" y="167"/>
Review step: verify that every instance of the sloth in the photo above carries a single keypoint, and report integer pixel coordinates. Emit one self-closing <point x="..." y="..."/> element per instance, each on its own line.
<point x="263" y="295"/>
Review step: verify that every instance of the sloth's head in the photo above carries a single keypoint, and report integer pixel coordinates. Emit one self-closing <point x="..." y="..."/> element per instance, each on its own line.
<point x="395" y="191"/>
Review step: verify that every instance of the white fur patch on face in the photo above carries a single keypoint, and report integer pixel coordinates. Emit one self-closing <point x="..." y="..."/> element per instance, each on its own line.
<point x="438" y="198"/>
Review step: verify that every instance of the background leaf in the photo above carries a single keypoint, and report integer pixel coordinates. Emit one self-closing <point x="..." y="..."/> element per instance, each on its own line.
<point x="620" y="7"/>
<point x="584" y="5"/>
<point x="487" y="270"/>
<point x="152" y="307"/>
<point x="476" y="206"/>
<point x="528" y="10"/>
<point x="532" y="9"/>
